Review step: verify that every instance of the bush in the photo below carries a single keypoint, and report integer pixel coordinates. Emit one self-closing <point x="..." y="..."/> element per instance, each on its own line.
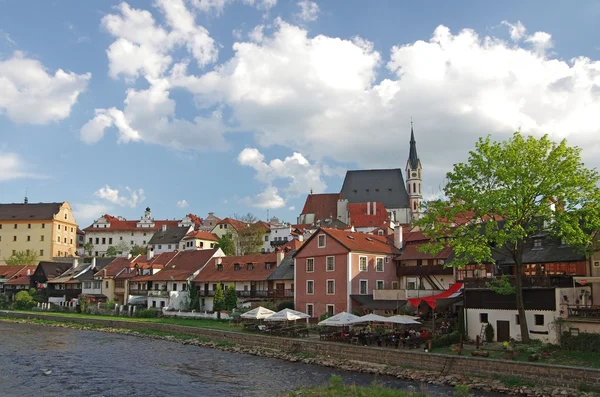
<point x="110" y="304"/>
<point x="146" y="313"/>
<point x="446" y="340"/>
<point x="489" y="333"/>
<point x="285" y="305"/>
<point x="583" y="342"/>
<point x="4" y="301"/>
<point x="24" y="301"/>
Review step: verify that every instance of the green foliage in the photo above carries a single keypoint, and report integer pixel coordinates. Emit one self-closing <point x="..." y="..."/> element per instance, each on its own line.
<point x="110" y="304"/>
<point x="461" y="322"/>
<point x="225" y="343"/>
<point x="219" y="301"/>
<point x="146" y="313"/>
<point x="336" y="388"/>
<point x="227" y="245"/>
<point x="4" y="301"/>
<point x="285" y="305"/>
<point x="83" y="304"/>
<point x="230" y="298"/>
<point x="250" y="238"/>
<point x="446" y="340"/>
<point x="489" y="333"/>
<point x="194" y="297"/>
<point x="584" y="342"/>
<point x="137" y="250"/>
<point x="324" y="317"/>
<point x="111" y="252"/>
<point x="512" y="382"/>
<point x="502" y="196"/>
<point x="88" y="248"/>
<point x="22" y="258"/>
<point x="461" y="391"/>
<point x="501" y="285"/>
<point x="24" y="301"/>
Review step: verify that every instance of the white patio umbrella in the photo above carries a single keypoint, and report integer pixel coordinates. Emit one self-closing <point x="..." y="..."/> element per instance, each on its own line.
<point x="339" y="320"/>
<point x="258" y="313"/>
<point x="369" y="318"/>
<point x="287" y="315"/>
<point x="400" y="319"/>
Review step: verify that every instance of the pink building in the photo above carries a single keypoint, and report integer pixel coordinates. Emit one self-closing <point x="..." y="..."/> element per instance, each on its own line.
<point x="334" y="265"/>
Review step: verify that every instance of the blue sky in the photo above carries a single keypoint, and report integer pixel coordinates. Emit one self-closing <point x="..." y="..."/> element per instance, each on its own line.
<point x="157" y="106"/>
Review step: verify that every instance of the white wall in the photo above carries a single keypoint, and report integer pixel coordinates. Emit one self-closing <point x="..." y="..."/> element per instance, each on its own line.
<point x="96" y="287"/>
<point x="140" y="238"/>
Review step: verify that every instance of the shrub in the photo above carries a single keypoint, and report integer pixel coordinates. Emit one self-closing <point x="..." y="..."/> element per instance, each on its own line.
<point x="489" y="333"/>
<point x="4" y="301"/>
<point x="23" y="301"/>
<point x="583" y="342"/>
<point x="446" y="340"/>
<point x="146" y="313"/>
<point x="285" y="305"/>
<point x="461" y="391"/>
<point x="110" y="304"/>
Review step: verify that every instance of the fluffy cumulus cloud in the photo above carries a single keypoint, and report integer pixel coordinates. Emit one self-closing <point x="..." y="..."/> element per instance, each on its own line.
<point x="26" y="84"/>
<point x="268" y="199"/>
<point x="182" y="204"/>
<point x="12" y="167"/>
<point x="217" y="6"/>
<point x="87" y="213"/>
<point x="128" y="198"/>
<point x="309" y="10"/>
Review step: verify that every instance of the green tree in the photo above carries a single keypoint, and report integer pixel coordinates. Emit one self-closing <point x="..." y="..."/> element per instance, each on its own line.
<point x="24" y="301"/>
<point x="111" y="252"/>
<point x="22" y="258"/>
<point x="227" y="245"/>
<point x="508" y="192"/>
<point x="122" y="247"/>
<point x="250" y="238"/>
<point x="230" y="298"/>
<point x="88" y="248"/>
<point x="219" y="301"/>
<point x="137" y="250"/>
<point x="194" y="297"/>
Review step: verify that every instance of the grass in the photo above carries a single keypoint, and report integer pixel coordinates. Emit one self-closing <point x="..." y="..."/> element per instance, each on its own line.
<point x="513" y="381"/>
<point x="336" y="388"/>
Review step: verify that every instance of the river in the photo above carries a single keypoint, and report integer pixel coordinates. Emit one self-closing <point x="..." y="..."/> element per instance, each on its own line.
<point x="90" y="363"/>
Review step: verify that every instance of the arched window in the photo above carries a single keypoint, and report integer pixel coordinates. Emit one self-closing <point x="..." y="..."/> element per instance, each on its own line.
<point x="414" y="187"/>
<point x="409" y="188"/>
<point x="419" y="188"/>
<point x="415" y="205"/>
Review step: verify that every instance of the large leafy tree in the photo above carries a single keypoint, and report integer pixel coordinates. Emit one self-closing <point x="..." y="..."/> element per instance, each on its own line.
<point x="219" y="301"/>
<point x="88" y="248"/>
<point x="112" y="252"/>
<point x="230" y="297"/>
<point x="22" y="258"/>
<point x="227" y="245"/>
<point x="250" y="238"/>
<point x="137" y="250"/>
<point x="508" y="192"/>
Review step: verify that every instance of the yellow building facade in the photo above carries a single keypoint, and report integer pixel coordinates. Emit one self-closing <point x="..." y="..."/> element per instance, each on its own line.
<point x="49" y="229"/>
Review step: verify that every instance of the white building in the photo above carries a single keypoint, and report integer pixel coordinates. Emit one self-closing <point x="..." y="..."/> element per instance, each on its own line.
<point x="169" y="239"/>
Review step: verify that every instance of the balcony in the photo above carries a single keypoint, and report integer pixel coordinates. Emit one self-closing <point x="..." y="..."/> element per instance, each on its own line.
<point x="527" y="282"/>
<point x="278" y="243"/>
<point x="281" y="293"/>
<point x="158" y="294"/>
<point x="426" y="270"/>
<point x="205" y="293"/>
<point x="70" y="293"/>
<point x="139" y="292"/>
<point x="253" y="294"/>
<point x="288" y="293"/>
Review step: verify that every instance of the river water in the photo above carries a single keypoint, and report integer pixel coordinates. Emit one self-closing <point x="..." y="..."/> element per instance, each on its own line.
<point x="90" y="363"/>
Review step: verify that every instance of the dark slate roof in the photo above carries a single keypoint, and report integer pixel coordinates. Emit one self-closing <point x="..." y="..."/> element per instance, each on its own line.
<point x="384" y="186"/>
<point x="49" y="270"/>
<point x="285" y="270"/>
<point x="172" y="235"/>
<point x="101" y="263"/>
<point x="367" y="302"/>
<point x="551" y="251"/>
<point x="413" y="158"/>
<point x="40" y="211"/>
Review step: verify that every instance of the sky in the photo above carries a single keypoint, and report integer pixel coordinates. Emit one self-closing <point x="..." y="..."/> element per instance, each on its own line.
<point x="237" y="106"/>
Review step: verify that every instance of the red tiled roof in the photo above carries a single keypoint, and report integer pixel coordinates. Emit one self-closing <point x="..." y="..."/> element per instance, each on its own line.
<point x="237" y="225"/>
<point x="114" y="267"/>
<point x="80" y="232"/>
<point x="117" y="224"/>
<point x="200" y="235"/>
<point x="301" y="226"/>
<point x="362" y="242"/>
<point x="258" y="273"/>
<point x="359" y="218"/>
<point x="292" y="245"/>
<point x="9" y="271"/>
<point x="324" y="206"/>
<point x="183" y="265"/>
<point x="411" y="252"/>
<point x="21" y="277"/>
<point x="196" y="219"/>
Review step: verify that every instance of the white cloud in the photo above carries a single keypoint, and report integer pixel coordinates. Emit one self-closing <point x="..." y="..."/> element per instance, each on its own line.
<point x="269" y="198"/>
<point x="517" y="31"/>
<point x="31" y="95"/>
<point x="13" y="167"/>
<point x="217" y="6"/>
<point x="541" y="42"/>
<point x="237" y="34"/>
<point x="303" y="176"/>
<point x="182" y="204"/>
<point x="86" y="213"/>
<point x="115" y="197"/>
<point x="309" y="10"/>
<point x="291" y="208"/>
<point x="256" y="34"/>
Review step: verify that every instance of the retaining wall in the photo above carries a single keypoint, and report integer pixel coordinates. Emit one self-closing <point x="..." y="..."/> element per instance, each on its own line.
<point x="553" y="375"/>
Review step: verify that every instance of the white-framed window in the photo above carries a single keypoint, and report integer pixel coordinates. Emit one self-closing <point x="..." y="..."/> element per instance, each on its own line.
<point x="394" y="285"/>
<point x="310" y="265"/>
<point x="330" y="287"/>
<point x="330" y="263"/>
<point x="379" y="284"/>
<point x="330" y="309"/>
<point x="321" y="240"/>
<point x="310" y="309"/>
<point x="379" y="265"/>
<point x="310" y="287"/>
<point x="411" y="284"/>
<point x="363" y="287"/>
<point x="362" y="263"/>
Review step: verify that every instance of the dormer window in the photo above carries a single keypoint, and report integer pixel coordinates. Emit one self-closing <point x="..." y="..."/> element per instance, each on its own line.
<point x="219" y="268"/>
<point x="250" y="266"/>
<point x="236" y="267"/>
<point x="321" y="241"/>
<point x="268" y="266"/>
<point x="537" y="243"/>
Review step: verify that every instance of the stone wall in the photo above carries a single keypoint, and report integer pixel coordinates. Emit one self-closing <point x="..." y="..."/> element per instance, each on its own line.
<point x="560" y="376"/>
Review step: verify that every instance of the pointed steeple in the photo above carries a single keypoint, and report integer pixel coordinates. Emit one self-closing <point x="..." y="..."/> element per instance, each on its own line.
<point x="413" y="158"/>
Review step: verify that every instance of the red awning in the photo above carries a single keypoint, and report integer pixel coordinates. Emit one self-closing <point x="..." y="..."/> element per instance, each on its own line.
<point x="454" y="291"/>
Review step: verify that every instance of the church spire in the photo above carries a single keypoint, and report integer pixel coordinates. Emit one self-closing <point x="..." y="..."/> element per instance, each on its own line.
<point x="413" y="158"/>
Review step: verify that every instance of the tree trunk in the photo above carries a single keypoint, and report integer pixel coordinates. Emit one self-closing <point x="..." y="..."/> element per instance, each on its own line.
<point x="519" y="294"/>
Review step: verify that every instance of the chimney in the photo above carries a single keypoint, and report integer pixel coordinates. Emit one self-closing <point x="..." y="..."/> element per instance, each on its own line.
<point x="129" y="255"/>
<point x="104" y="273"/>
<point x="301" y="237"/>
<point x="374" y="208"/>
<point x="218" y="261"/>
<point x="164" y="228"/>
<point x="28" y="272"/>
<point x="150" y="254"/>
<point x="93" y="262"/>
<point x="75" y="262"/>
<point x="398" y="236"/>
<point x="368" y="208"/>
<point x="280" y="256"/>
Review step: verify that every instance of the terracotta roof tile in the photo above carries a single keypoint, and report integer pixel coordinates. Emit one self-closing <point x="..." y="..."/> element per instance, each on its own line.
<point x="184" y="265"/>
<point x="359" y="218"/>
<point x="116" y="266"/>
<point x="362" y="242"/>
<point x="9" y="271"/>
<point x="200" y="235"/>
<point x="411" y="252"/>
<point x="117" y="224"/>
<point x="21" y="277"/>
<point x="237" y="225"/>
<point x="259" y="271"/>
<point x="324" y="205"/>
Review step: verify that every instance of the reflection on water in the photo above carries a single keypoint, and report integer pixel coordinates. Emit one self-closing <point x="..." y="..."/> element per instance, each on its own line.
<point x="89" y="363"/>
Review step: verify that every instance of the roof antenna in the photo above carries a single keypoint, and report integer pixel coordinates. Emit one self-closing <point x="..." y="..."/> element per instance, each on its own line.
<point x="26" y="200"/>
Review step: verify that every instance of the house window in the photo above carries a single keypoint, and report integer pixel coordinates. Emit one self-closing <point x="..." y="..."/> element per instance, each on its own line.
<point x="65" y="226"/>
<point x="250" y="266"/>
<point x="110" y="240"/>
<point x="169" y="247"/>
<point x="330" y="264"/>
<point x="330" y="287"/>
<point x="379" y="266"/>
<point x="28" y="238"/>
<point x="174" y="286"/>
<point x="183" y="286"/>
<point x="71" y="241"/>
<point x="87" y="285"/>
<point x="119" y="283"/>
<point x="411" y="285"/>
<point x="517" y="319"/>
<point x="29" y="226"/>
<point x="219" y="268"/>
<point x="97" y="241"/>
<point x="362" y="263"/>
<point x="15" y="238"/>
<point x="380" y="232"/>
<point x="387" y="259"/>
<point x="89" y="240"/>
<point x="65" y="240"/>
<point x="310" y="287"/>
<point x="379" y="284"/>
<point x="41" y="252"/>
<point x="144" y="242"/>
<point x="106" y="284"/>
<point x="42" y="238"/>
<point x="132" y="242"/>
<point x="266" y="238"/>
<point x="483" y="317"/>
<point x="236" y="267"/>
<point x="537" y="243"/>
<point x="162" y="303"/>
<point x="159" y="246"/>
<point x="153" y="303"/>
<point x="330" y="309"/>
<point x="310" y="265"/>
<point x="310" y="309"/>
<point x="363" y="287"/>
<point x="103" y="240"/>
<point x="120" y="238"/>
<point x="596" y="264"/>
<point x="394" y="285"/>
<point x="539" y="319"/>
<point x="144" y="233"/>
<point x="43" y="226"/>
<point x="321" y="240"/>
<point x="96" y="253"/>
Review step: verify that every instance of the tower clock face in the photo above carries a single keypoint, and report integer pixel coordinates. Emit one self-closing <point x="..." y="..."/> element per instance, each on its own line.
<point x="414" y="174"/>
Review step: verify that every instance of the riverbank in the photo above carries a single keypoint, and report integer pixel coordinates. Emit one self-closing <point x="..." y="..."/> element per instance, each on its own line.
<point x="399" y="364"/>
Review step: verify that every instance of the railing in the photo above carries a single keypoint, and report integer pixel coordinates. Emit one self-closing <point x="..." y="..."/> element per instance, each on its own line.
<point x="62" y="292"/>
<point x="278" y="243"/>
<point x="158" y="294"/>
<point x="426" y="270"/>
<point x="206" y="293"/>
<point x="287" y="293"/>
<point x="527" y="282"/>
<point x="139" y="292"/>
<point x="281" y="293"/>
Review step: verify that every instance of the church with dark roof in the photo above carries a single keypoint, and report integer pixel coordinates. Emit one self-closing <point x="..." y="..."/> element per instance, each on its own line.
<point x="401" y="198"/>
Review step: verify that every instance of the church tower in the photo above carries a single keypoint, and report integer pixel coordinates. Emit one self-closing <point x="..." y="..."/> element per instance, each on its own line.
<point x="413" y="177"/>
